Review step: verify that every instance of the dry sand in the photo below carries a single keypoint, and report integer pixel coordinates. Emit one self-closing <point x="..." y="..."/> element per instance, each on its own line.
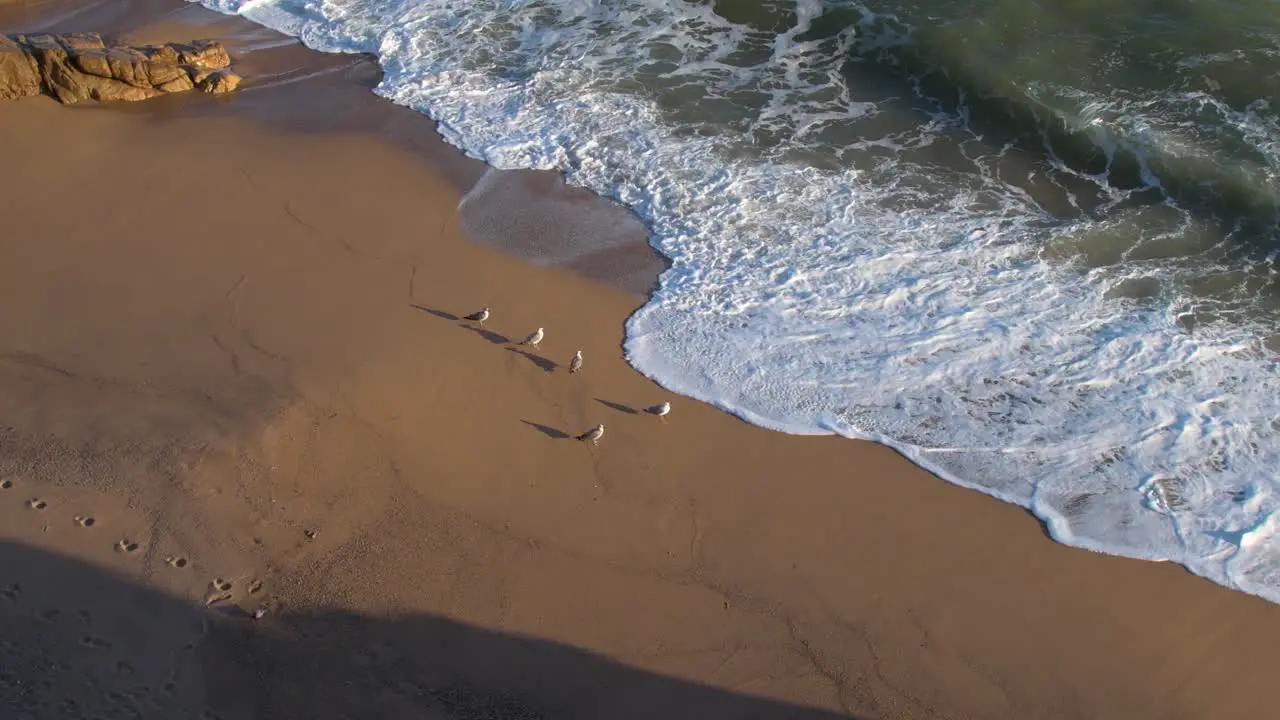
<point x="230" y="337"/>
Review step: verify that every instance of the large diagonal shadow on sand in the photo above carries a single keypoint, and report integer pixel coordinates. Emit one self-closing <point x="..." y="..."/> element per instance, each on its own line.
<point x="76" y="639"/>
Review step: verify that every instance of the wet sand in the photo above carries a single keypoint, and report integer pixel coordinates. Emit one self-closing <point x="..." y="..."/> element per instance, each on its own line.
<point x="232" y="339"/>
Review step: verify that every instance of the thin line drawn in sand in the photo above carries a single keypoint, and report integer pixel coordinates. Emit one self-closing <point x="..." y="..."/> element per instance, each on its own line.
<point x="37" y="504"/>
<point x="126" y="545"/>
<point x="85" y="521"/>
<point x="176" y="561"/>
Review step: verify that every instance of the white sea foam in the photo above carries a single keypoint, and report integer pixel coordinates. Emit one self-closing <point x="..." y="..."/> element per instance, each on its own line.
<point x="872" y="297"/>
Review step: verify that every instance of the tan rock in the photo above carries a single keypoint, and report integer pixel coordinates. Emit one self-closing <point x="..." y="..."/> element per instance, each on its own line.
<point x="75" y="42"/>
<point x="163" y="73"/>
<point x="19" y="77"/>
<point x="180" y="82"/>
<point x="80" y="66"/>
<point x="43" y="46"/>
<point x="93" y="62"/>
<point x="201" y="53"/>
<point x="198" y="74"/>
<point x="108" y="90"/>
<point x="50" y="58"/>
<point x="135" y="68"/>
<point x="205" y="54"/>
<point x="129" y="65"/>
<point x="161" y="53"/>
<point x="59" y="79"/>
<point x="219" y="81"/>
<point x="65" y="83"/>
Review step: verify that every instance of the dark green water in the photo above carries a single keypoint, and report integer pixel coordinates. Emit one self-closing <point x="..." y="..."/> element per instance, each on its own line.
<point x="1101" y="110"/>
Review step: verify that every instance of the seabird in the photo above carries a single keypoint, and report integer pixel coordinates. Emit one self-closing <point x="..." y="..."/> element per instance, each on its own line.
<point x="478" y="317"/>
<point x="533" y="339"/>
<point x="576" y="363"/>
<point x="593" y="434"/>
<point x="660" y="410"/>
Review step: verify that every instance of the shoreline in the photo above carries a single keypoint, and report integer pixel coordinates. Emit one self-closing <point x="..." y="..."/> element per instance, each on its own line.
<point x="797" y="576"/>
<point x="989" y="402"/>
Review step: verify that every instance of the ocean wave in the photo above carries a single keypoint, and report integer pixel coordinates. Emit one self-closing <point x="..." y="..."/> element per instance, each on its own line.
<point x="848" y="260"/>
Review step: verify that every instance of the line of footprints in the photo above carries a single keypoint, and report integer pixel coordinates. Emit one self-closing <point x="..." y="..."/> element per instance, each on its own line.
<point x="220" y="590"/>
<point x="575" y="365"/>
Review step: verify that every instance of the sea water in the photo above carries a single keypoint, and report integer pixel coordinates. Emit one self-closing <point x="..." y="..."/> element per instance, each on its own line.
<point x="1028" y="243"/>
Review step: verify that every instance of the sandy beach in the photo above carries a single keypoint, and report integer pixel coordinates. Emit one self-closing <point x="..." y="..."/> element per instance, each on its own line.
<point x="234" y="377"/>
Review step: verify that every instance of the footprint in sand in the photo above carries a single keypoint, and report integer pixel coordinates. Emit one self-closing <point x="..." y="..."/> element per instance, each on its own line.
<point x="49" y="615"/>
<point x="124" y="545"/>
<point x="12" y="592"/>
<point x="255" y="587"/>
<point x="176" y="561"/>
<point x="219" y="590"/>
<point x="37" y="504"/>
<point x="93" y="642"/>
<point x="83" y="521"/>
<point x="6" y="484"/>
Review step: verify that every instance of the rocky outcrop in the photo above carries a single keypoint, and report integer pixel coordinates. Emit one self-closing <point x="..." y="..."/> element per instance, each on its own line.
<point x="79" y="66"/>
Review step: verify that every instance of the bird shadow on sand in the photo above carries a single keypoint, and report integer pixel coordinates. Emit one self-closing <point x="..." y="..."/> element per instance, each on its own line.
<point x="437" y="313"/>
<point x="547" y="365"/>
<point x="547" y="430"/>
<point x="489" y="335"/>
<point x="619" y="407"/>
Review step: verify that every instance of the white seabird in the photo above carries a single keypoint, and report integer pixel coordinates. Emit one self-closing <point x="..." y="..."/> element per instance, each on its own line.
<point x="594" y="434"/>
<point x="659" y="410"/>
<point x="576" y="363"/>
<point x="534" y="338"/>
<point x="478" y="317"/>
